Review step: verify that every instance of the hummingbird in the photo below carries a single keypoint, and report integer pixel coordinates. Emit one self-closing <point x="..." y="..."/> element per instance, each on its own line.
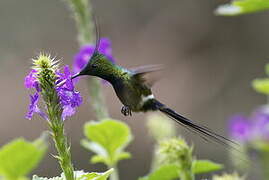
<point x="134" y="91"/>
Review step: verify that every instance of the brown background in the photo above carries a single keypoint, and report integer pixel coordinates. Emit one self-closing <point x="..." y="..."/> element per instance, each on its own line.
<point x="210" y="62"/>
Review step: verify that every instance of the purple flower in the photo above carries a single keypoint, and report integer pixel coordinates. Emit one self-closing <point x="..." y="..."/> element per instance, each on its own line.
<point x="69" y="98"/>
<point x="255" y="127"/>
<point x="33" y="107"/>
<point x="261" y="119"/>
<point x="86" y="51"/>
<point x="30" y="80"/>
<point x="240" y="128"/>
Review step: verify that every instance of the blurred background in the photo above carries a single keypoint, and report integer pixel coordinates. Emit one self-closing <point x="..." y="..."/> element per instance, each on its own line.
<point x="209" y="63"/>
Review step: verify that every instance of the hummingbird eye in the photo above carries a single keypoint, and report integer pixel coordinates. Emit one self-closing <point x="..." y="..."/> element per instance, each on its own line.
<point x="94" y="65"/>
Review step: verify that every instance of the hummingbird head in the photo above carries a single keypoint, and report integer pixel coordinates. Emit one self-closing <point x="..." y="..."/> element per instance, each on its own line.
<point x="98" y="65"/>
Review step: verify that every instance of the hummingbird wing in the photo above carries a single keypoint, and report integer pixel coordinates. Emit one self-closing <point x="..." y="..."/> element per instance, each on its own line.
<point x="145" y="75"/>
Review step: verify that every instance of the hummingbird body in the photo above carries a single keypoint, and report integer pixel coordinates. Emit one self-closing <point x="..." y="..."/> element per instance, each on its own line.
<point x="133" y="90"/>
<point x="132" y="93"/>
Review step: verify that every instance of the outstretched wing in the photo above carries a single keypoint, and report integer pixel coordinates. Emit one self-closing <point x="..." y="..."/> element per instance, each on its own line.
<point x="145" y="75"/>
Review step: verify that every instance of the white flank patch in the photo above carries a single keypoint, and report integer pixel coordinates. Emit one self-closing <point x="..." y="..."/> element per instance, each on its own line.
<point x="146" y="98"/>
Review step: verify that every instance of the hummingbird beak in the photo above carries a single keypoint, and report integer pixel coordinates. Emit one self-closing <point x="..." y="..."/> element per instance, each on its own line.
<point x="76" y="75"/>
<point x="64" y="81"/>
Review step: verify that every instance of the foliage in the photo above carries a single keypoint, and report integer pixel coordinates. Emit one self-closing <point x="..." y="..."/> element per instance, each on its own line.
<point x="108" y="139"/>
<point x="165" y="172"/>
<point x="172" y="171"/>
<point x="205" y="166"/>
<point x="80" y="175"/>
<point x="16" y="154"/>
<point x="237" y="7"/>
<point x="261" y="85"/>
<point x="233" y="176"/>
<point x="175" y="161"/>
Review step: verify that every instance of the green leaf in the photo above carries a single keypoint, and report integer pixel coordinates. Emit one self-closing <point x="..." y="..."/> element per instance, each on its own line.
<point x="237" y="7"/>
<point x="205" y="166"/>
<point x="165" y="172"/>
<point x="80" y="175"/>
<point x="20" y="157"/>
<point x="102" y="159"/>
<point x="35" y="177"/>
<point x="267" y="69"/>
<point x="261" y="85"/>
<point x="107" y="138"/>
<point x="225" y="176"/>
<point x="96" y="176"/>
<point x="261" y="146"/>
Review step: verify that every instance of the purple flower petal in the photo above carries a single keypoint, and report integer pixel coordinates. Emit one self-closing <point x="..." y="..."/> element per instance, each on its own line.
<point x="33" y="107"/>
<point x="68" y="111"/>
<point x="31" y="81"/>
<point x="105" y="48"/>
<point x="69" y="98"/>
<point x="240" y="128"/>
<point x="261" y="123"/>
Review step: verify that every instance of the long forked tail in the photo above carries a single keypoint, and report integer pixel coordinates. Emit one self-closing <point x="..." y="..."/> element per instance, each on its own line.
<point x="204" y="132"/>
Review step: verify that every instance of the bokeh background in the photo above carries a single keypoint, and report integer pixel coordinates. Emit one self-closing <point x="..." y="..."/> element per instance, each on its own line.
<point x="209" y="63"/>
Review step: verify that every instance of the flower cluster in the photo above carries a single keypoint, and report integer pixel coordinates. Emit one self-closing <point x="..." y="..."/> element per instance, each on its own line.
<point x="68" y="98"/>
<point x="86" y="51"/>
<point x="255" y="127"/>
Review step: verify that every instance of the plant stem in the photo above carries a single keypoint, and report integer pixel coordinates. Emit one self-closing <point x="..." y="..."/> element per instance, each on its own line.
<point x="265" y="164"/>
<point x="62" y="147"/>
<point x="154" y="161"/>
<point x="81" y="11"/>
<point x="115" y="174"/>
<point x="186" y="174"/>
<point x="97" y="96"/>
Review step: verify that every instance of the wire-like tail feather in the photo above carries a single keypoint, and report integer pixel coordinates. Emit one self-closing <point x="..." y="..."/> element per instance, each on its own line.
<point x="205" y="132"/>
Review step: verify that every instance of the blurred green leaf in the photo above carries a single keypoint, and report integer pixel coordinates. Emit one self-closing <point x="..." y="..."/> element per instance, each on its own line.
<point x="225" y="176"/>
<point x="205" y="166"/>
<point x="108" y="138"/>
<point x="261" y="146"/>
<point x="165" y="172"/>
<point x="96" y="176"/>
<point x="80" y="175"/>
<point x="20" y="157"/>
<point x="35" y="177"/>
<point x="261" y="85"/>
<point x="237" y="7"/>
<point x="267" y="69"/>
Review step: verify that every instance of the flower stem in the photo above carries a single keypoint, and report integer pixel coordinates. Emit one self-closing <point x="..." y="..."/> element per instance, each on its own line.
<point x="97" y="98"/>
<point x="155" y="159"/>
<point x="115" y="174"/>
<point x="186" y="174"/>
<point x="265" y="164"/>
<point x="63" y="148"/>
<point x="81" y="11"/>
